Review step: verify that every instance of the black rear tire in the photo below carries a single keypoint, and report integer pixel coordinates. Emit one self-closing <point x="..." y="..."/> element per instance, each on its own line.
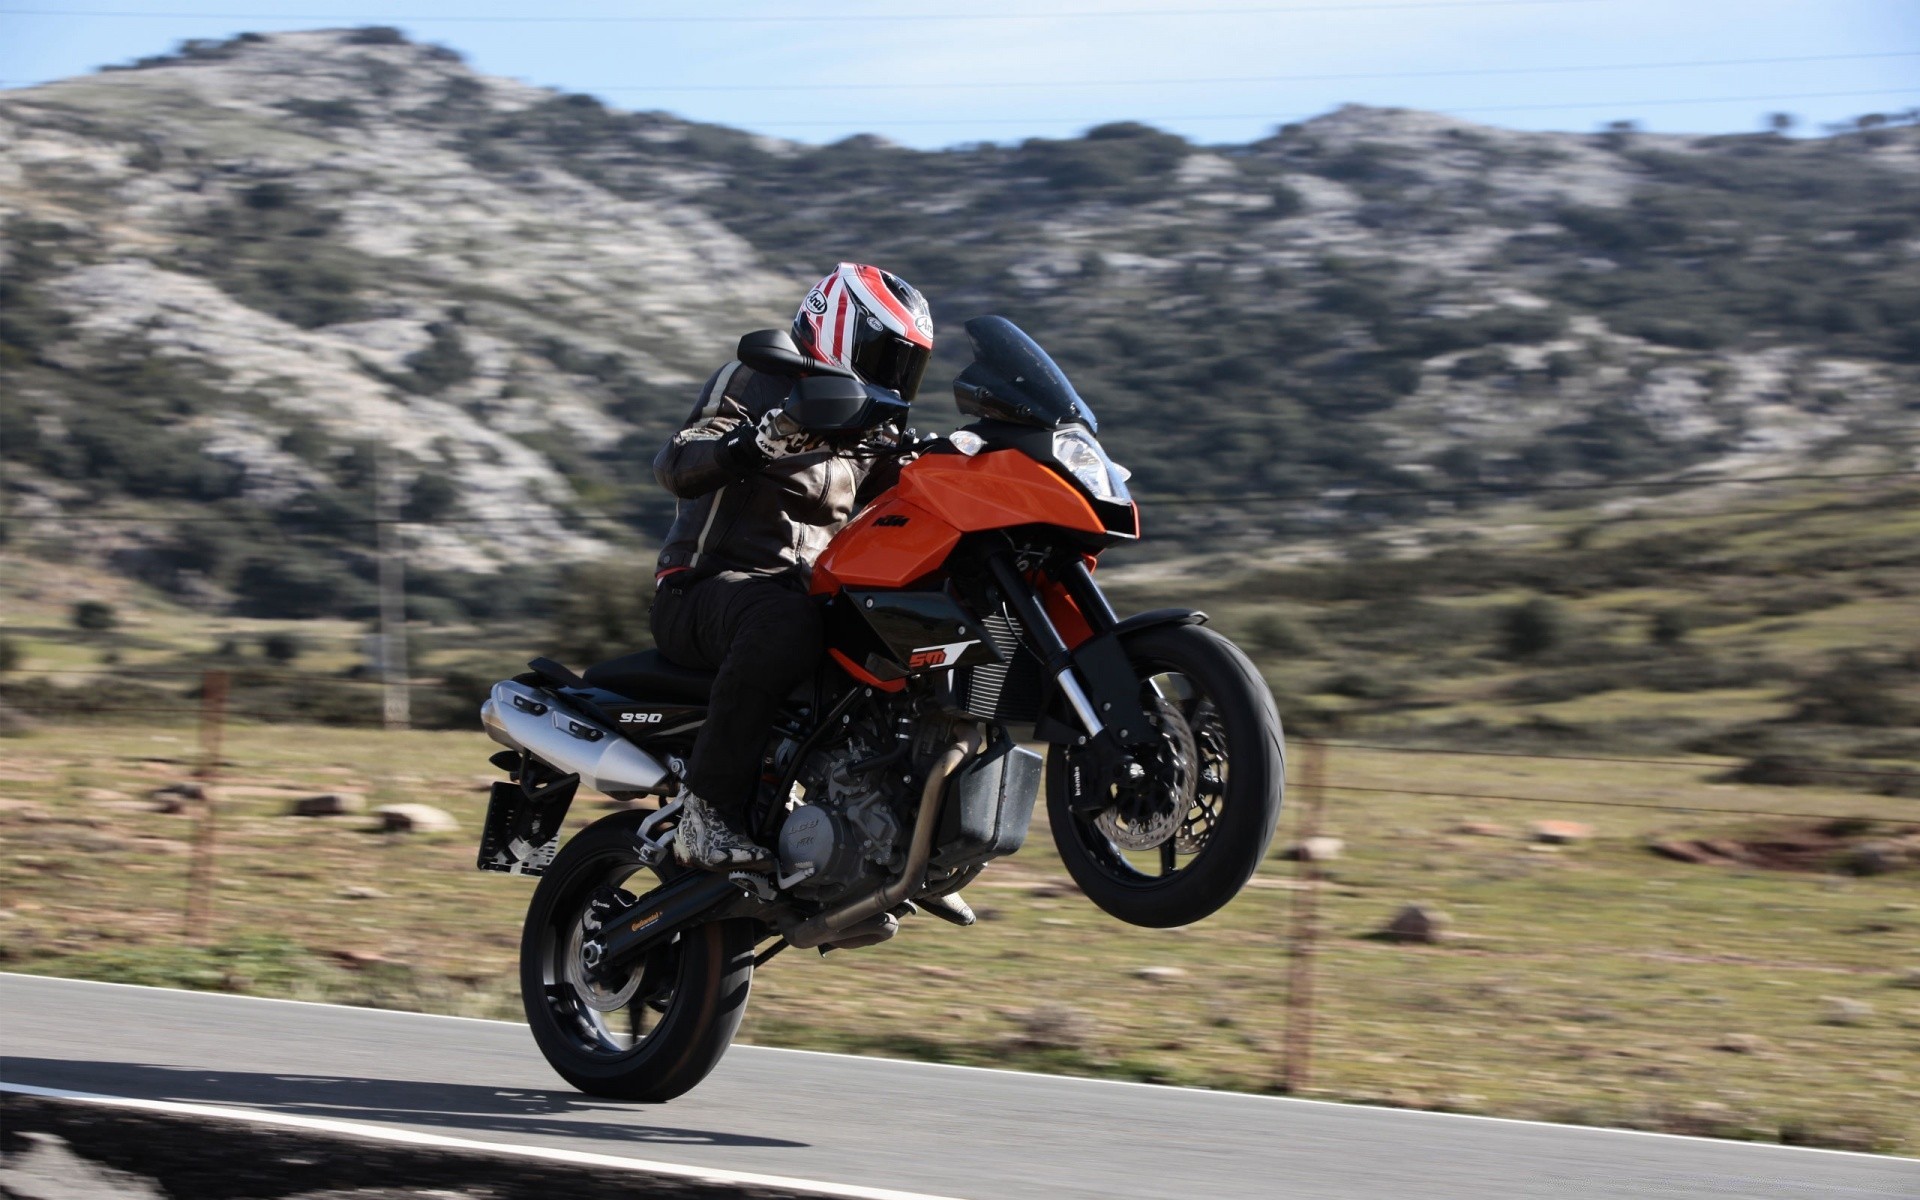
<point x="1245" y="727"/>
<point x="694" y="997"/>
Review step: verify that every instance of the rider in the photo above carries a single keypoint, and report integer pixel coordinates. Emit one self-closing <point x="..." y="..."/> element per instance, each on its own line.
<point x="759" y="500"/>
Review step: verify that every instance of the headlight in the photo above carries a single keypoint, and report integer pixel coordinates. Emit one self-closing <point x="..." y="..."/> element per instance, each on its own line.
<point x="1079" y="452"/>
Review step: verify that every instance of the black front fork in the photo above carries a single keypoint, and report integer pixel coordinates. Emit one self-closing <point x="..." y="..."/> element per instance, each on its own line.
<point x="1094" y="679"/>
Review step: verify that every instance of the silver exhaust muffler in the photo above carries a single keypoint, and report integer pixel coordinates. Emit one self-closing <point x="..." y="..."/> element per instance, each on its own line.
<point x="522" y="718"/>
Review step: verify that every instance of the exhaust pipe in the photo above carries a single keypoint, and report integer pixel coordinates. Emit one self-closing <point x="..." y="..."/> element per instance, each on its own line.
<point x="655" y="917"/>
<point x="815" y="930"/>
<point x="529" y="720"/>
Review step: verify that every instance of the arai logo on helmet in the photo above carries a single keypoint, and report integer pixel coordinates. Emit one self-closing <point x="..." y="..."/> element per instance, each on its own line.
<point x="816" y="301"/>
<point x="923" y="323"/>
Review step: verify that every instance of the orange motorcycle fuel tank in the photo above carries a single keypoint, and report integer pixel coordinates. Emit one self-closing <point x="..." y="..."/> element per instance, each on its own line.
<point x="903" y="539"/>
<point x="907" y="533"/>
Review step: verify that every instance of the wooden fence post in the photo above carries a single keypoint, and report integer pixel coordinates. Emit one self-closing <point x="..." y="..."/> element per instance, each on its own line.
<point x="1297" y="1055"/>
<point x="200" y="876"/>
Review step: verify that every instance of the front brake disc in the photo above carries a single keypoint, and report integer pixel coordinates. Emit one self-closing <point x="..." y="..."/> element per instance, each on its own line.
<point x="1153" y="810"/>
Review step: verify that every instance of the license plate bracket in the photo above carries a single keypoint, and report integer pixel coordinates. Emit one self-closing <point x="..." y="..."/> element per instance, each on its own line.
<point x="522" y="832"/>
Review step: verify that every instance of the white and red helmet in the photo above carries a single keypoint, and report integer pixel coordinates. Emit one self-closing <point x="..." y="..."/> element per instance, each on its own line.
<point x="871" y="322"/>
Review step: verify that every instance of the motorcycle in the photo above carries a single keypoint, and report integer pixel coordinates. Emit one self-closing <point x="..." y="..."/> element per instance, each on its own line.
<point x="963" y="625"/>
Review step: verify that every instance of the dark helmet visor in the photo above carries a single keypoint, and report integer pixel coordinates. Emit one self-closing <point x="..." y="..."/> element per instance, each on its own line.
<point x="885" y="359"/>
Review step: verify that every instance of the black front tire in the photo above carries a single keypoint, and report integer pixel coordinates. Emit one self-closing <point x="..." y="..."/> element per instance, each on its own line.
<point x="1248" y="806"/>
<point x="699" y="983"/>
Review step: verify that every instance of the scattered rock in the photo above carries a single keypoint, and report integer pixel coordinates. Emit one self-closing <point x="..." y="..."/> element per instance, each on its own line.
<point x="1481" y="829"/>
<point x="354" y="960"/>
<point x="1727" y="849"/>
<point x="1416" y="923"/>
<point x="1315" y="849"/>
<point x="1844" y="1010"/>
<point x="938" y="972"/>
<point x="1872" y="858"/>
<point x="101" y="795"/>
<point x="361" y="892"/>
<point x="1741" y="1043"/>
<point x="415" y="818"/>
<point x="1909" y="978"/>
<point x="1688" y="852"/>
<point x="1053" y="1027"/>
<point x="1560" y="833"/>
<point x="1159" y="974"/>
<point x="331" y="804"/>
<point x="1047" y="888"/>
<point x="174" y="797"/>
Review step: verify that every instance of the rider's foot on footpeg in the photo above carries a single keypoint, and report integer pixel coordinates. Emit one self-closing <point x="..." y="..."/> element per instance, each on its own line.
<point x="949" y="908"/>
<point x="705" y="840"/>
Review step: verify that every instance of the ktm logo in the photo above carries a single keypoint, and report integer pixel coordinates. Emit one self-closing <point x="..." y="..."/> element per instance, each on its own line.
<point x="937" y="656"/>
<point x="892" y="520"/>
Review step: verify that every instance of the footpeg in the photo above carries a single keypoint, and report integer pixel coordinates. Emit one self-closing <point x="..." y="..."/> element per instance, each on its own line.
<point x="754" y="884"/>
<point x="951" y="909"/>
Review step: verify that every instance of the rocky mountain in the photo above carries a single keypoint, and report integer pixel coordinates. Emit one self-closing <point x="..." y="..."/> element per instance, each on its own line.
<point x="239" y="281"/>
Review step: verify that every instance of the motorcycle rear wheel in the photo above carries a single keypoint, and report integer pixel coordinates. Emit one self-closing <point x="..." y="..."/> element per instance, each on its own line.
<point x="1220" y="815"/>
<point x="662" y="1027"/>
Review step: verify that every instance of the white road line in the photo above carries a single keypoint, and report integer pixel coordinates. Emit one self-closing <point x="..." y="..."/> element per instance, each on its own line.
<point x="1034" y="1075"/>
<point x="407" y="1137"/>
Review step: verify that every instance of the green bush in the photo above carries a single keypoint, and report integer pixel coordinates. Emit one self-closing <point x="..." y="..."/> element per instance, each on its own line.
<point x="1271" y="633"/>
<point x="1855" y="691"/>
<point x="1531" y="629"/>
<point x="601" y="611"/>
<point x="429" y="497"/>
<point x="282" y="645"/>
<point x="94" y="616"/>
<point x="1669" y="627"/>
<point x="1109" y="156"/>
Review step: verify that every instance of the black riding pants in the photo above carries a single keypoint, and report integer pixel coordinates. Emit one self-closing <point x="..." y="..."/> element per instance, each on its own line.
<point x="763" y="636"/>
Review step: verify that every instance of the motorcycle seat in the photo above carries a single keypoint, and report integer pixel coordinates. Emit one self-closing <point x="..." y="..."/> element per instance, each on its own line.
<point x="651" y="675"/>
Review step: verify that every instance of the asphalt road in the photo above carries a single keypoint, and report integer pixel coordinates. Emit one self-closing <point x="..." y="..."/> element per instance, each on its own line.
<point x="948" y="1131"/>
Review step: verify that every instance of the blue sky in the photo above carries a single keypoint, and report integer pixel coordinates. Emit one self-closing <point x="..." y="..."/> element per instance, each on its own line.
<point x="938" y="72"/>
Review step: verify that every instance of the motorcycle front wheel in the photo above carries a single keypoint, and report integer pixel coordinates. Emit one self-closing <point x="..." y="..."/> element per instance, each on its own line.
<point x="660" y="1027"/>
<point x="1177" y="839"/>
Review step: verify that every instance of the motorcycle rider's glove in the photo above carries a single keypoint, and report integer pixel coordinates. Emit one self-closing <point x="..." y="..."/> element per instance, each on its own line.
<point x="774" y="437"/>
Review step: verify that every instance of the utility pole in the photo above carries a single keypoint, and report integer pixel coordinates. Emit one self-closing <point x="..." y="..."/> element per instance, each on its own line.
<point x="397" y="709"/>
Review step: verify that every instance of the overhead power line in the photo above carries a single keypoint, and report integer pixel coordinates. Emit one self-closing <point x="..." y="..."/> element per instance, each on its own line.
<point x="1216" y="80"/>
<point x="1271" y="116"/>
<point x="801" y="18"/>
<point x="1198" y="80"/>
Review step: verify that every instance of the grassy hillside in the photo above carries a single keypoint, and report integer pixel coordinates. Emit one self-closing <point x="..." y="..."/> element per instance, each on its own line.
<point x="232" y="272"/>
